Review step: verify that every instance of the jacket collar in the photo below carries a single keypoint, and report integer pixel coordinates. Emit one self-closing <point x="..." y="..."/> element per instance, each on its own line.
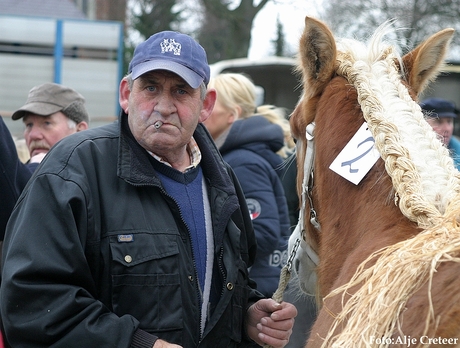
<point x="134" y="161"/>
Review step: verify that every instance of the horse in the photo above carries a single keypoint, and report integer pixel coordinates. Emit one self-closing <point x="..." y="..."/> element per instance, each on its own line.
<point x="379" y="226"/>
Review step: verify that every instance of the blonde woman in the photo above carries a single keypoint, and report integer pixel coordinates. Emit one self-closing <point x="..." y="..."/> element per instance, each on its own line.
<point x="249" y="143"/>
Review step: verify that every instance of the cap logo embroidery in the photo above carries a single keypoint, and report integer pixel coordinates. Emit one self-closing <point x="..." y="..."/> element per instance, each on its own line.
<point x="170" y="45"/>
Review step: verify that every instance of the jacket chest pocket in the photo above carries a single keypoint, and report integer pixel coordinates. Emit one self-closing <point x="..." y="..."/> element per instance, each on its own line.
<point x="146" y="279"/>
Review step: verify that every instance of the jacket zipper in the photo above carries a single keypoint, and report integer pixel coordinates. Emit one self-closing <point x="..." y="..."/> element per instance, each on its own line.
<point x="197" y="286"/>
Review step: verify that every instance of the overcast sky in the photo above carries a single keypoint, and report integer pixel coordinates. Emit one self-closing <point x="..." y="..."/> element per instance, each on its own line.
<point x="292" y="15"/>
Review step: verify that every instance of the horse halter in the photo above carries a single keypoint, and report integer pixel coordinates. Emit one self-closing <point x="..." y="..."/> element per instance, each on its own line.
<point x="307" y="184"/>
<point x="301" y="240"/>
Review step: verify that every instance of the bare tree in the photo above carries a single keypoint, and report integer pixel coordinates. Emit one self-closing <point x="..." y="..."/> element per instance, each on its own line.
<point x="151" y="16"/>
<point x="417" y="18"/>
<point x="226" y="30"/>
<point x="223" y="27"/>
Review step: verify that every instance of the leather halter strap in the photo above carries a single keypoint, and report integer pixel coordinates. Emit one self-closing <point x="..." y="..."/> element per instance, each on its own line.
<point x="306" y="189"/>
<point x="307" y="183"/>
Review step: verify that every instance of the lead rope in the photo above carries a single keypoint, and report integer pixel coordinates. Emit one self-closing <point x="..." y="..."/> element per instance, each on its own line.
<point x="285" y="274"/>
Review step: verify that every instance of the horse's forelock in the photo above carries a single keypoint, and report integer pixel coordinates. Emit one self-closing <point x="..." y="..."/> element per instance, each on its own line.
<point x="371" y="51"/>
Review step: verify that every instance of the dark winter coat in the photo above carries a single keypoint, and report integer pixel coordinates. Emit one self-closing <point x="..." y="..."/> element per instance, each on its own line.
<point x="250" y="149"/>
<point x="98" y="255"/>
<point x="13" y="175"/>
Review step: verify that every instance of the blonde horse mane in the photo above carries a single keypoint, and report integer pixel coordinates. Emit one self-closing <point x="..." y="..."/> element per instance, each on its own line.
<point x="413" y="159"/>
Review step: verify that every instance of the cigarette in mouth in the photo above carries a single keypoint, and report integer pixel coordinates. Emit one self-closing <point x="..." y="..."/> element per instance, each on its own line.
<point x="158" y="124"/>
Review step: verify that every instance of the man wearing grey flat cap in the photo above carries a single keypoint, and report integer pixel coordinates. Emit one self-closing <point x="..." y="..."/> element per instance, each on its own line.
<point x="145" y="238"/>
<point x="51" y="112"/>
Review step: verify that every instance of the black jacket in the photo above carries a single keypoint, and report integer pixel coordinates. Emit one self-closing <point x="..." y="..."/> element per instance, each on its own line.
<point x="97" y="254"/>
<point x="13" y="175"/>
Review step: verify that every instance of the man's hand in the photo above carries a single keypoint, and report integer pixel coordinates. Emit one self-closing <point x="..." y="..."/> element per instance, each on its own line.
<point x="163" y="344"/>
<point x="269" y="322"/>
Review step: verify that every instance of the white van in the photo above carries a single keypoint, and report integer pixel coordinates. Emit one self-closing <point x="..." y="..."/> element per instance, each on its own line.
<point x="277" y="83"/>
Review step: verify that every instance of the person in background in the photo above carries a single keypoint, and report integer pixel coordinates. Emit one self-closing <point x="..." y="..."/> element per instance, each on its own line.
<point x="277" y="116"/>
<point x="137" y="234"/>
<point x="288" y="169"/>
<point x="440" y="114"/>
<point x="246" y="139"/>
<point x="51" y="112"/>
<point x="249" y="143"/>
<point x="305" y="304"/>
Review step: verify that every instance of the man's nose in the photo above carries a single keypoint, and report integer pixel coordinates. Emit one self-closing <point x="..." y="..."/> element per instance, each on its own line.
<point x="35" y="133"/>
<point x="165" y="104"/>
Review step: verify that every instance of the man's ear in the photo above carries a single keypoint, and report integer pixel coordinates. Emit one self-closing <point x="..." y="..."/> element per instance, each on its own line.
<point x="208" y="104"/>
<point x="82" y="126"/>
<point x="123" y="98"/>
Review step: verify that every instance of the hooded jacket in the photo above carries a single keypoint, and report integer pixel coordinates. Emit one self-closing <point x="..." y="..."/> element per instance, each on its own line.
<point x="250" y="149"/>
<point x="98" y="255"/>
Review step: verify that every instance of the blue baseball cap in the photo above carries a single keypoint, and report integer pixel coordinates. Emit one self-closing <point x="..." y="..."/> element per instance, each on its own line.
<point x="172" y="51"/>
<point x="437" y="107"/>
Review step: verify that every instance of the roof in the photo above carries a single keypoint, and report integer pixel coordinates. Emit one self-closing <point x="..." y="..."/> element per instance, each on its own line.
<point x="234" y="64"/>
<point x="42" y="8"/>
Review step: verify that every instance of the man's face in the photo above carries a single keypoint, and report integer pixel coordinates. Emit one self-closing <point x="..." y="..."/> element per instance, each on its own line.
<point x="163" y="96"/>
<point x="444" y="126"/>
<point x="42" y="132"/>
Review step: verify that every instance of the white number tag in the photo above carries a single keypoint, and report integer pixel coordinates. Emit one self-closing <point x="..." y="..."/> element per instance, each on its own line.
<point x="357" y="157"/>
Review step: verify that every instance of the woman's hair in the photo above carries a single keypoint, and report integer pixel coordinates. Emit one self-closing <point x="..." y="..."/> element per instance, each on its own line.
<point x="277" y="116"/>
<point x="235" y="92"/>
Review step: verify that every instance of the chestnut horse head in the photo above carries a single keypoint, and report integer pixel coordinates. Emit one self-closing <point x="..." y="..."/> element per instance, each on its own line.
<point x="380" y="193"/>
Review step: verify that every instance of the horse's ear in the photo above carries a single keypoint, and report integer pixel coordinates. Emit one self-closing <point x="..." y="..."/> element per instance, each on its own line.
<point x="424" y="63"/>
<point x="317" y="54"/>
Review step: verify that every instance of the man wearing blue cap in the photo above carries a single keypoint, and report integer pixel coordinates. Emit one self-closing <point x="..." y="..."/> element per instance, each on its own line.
<point x="440" y="114"/>
<point x="144" y="237"/>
